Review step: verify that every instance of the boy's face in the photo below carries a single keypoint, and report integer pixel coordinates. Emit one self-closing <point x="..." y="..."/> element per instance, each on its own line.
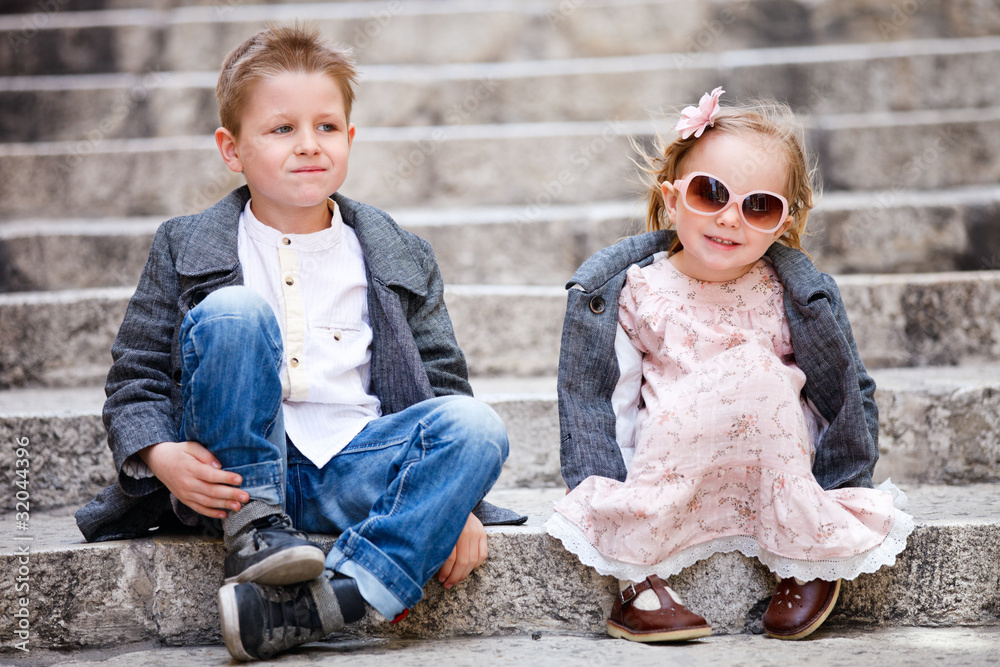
<point x="293" y="145"/>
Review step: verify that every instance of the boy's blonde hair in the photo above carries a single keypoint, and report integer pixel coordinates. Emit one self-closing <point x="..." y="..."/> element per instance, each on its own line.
<point x="770" y="120"/>
<point x="275" y="50"/>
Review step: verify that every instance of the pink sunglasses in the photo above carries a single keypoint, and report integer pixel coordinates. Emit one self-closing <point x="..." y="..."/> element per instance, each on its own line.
<point x="704" y="194"/>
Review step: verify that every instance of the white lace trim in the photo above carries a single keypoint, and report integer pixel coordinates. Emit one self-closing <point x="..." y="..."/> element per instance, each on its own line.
<point x="847" y="568"/>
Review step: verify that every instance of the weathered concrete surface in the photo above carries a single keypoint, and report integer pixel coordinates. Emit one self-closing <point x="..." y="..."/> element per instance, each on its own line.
<point x="905" y="231"/>
<point x="534" y="164"/>
<point x="70" y="458"/>
<point x="38" y="255"/>
<point x="195" y="38"/>
<point x="909" y="231"/>
<point x="509" y="331"/>
<point x="64" y="338"/>
<point x="930" y="319"/>
<point x="940" y="425"/>
<point x="164" y="588"/>
<point x="828" y="647"/>
<point x="928" y="149"/>
<point x="59" y="337"/>
<point x="882" y="76"/>
<point x="390" y="167"/>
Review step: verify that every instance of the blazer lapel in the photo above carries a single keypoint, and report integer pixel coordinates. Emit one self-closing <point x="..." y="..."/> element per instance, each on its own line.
<point x="397" y="370"/>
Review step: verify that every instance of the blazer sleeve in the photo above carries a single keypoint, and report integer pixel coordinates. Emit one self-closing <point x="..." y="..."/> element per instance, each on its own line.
<point x="138" y="411"/>
<point x="866" y="388"/>
<point x="434" y="334"/>
<point x="588" y="375"/>
<point x="840" y="386"/>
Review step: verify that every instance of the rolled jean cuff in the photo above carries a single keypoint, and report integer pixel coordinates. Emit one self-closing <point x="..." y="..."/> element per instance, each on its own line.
<point x="382" y="583"/>
<point x="262" y="481"/>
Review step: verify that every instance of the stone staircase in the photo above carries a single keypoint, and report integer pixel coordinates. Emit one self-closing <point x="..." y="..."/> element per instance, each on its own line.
<point x="499" y="131"/>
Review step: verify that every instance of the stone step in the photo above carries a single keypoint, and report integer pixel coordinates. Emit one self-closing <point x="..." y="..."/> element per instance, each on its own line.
<point x="937" y="425"/>
<point x="839" y="647"/>
<point x="160" y="37"/>
<point x="879" y="77"/>
<point x="64" y="338"/>
<point x="108" y="8"/>
<point x="532" y="164"/>
<point x="163" y="589"/>
<point x="904" y="231"/>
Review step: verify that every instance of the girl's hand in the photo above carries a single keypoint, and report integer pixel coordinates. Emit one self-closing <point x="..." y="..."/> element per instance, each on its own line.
<point x="195" y="477"/>
<point x="468" y="554"/>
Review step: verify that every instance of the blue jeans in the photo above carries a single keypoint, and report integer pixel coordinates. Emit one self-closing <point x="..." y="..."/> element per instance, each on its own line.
<point x="399" y="493"/>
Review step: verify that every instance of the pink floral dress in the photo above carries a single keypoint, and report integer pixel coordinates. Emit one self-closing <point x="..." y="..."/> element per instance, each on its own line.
<point x="723" y="457"/>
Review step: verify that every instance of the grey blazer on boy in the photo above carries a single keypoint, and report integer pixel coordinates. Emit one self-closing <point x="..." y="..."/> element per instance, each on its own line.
<point x="414" y="352"/>
<point x="836" y="379"/>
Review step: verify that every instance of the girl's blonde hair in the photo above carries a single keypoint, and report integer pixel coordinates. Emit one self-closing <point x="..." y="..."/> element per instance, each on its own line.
<point x="771" y="120"/>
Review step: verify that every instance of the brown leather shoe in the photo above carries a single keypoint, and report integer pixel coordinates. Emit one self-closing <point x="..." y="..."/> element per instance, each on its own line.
<point x="671" y="622"/>
<point x="796" y="610"/>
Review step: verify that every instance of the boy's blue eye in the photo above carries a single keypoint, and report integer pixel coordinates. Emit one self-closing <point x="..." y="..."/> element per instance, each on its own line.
<point x="284" y="129"/>
<point x="327" y="127"/>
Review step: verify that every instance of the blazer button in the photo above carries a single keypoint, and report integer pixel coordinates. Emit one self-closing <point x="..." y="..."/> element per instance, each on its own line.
<point x="177" y="377"/>
<point x="597" y="305"/>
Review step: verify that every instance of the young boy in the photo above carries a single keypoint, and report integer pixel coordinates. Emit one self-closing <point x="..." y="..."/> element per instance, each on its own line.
<point x="289" y="351"/>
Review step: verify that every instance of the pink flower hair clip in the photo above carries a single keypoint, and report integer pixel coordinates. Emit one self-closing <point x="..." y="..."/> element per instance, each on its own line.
<point x="694" y="120"/>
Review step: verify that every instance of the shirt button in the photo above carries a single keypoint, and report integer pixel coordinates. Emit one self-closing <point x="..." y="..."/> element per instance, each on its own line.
<point x="293" y="362"/>
<point x="286" y="241"/>
<point x="337" y="335"/>
<point x="289" y="281"/>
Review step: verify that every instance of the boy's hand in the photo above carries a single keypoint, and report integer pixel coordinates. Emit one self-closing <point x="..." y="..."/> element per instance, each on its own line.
<point x="468" y="554"/>
<point x="194" y="475"/>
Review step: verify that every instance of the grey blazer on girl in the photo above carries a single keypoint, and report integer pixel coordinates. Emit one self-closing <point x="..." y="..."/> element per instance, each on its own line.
<point x="836" y="380"/>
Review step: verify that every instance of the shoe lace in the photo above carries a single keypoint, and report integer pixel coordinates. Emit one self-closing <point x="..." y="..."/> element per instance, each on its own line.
<point x="291" y="607"/>
<point x="269" y="522"/>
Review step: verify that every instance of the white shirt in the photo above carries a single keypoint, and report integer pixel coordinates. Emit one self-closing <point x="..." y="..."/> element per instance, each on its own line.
<point x="316" y="286"/>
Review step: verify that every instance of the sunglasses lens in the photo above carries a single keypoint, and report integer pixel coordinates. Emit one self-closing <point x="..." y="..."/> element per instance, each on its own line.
<point x="706" y="194"/>
<point x="762" y="210"/>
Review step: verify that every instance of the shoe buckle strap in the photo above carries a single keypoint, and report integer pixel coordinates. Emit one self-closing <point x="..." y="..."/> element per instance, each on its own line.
<point x="627" y="595"/>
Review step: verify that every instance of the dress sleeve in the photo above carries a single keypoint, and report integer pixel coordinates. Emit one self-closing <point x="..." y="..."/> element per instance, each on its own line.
<point x="626" y="397"/>
<point x="628" y="315"/>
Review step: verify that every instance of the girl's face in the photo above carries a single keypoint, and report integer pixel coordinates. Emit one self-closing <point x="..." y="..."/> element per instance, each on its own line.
<point x="721" y="247"/>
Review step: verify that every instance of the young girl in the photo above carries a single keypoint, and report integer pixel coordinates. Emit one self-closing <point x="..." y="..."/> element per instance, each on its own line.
<point x="711" y="396"/>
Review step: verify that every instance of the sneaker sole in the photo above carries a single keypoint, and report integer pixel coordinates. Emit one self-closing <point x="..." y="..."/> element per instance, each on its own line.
<point x="291" y="566"/>
<point x="229" y="619"/>
<point x="681" y="634"/>
<point x="812" y="627"/>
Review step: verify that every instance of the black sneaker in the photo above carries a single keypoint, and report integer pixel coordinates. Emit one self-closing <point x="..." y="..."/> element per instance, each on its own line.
<point x="258" y="622"/>
<point x="269" y="551"/>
